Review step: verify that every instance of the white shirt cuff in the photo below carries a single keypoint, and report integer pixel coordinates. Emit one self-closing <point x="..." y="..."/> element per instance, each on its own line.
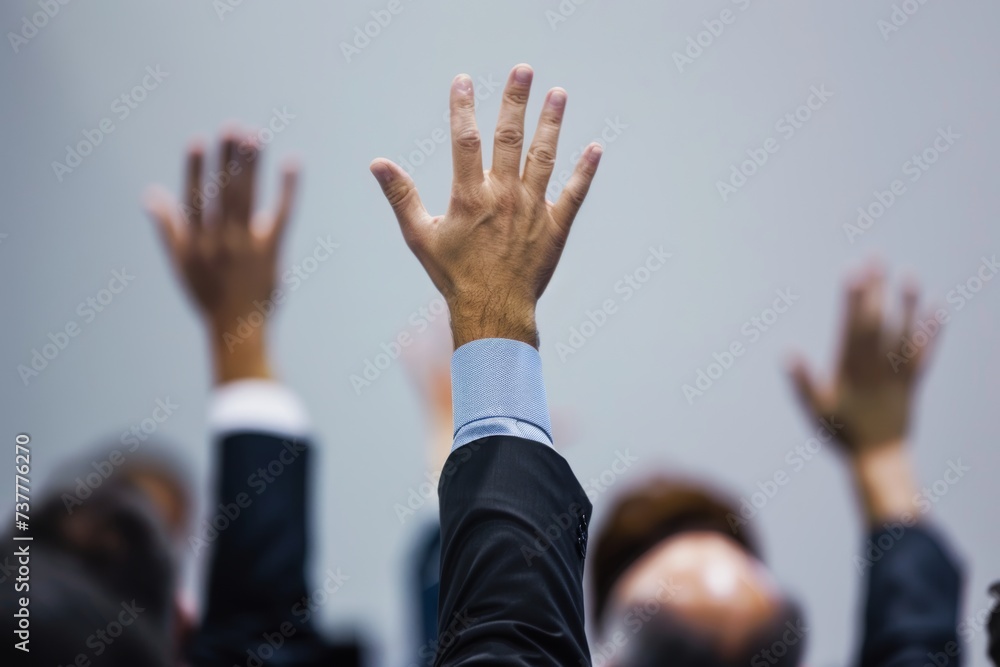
<point x="257" y="405"/>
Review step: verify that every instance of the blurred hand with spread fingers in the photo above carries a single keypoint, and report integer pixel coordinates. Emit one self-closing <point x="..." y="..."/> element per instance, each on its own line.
<point x="225" y="254"/>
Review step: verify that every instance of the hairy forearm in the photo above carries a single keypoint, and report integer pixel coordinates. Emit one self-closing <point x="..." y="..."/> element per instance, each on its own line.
<point x="236" y="357"/>
<point x="885" y="483"/>
<point x="477" y="320"/>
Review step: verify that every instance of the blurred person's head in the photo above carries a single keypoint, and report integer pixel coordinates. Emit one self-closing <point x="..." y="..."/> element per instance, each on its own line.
<point x="676" y="579"/>
<point x="102" y="573"/>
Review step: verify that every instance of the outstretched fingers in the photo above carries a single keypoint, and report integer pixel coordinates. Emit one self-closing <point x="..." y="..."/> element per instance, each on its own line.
<point x="402" y="195"/>
<point x="508" y="141"/>
<point x="568" y="205"/>
<point x="286" y="200"/>
<point x="542" y="153"/>
<point x="466" y="144"/>
<point x="194" y="198"/>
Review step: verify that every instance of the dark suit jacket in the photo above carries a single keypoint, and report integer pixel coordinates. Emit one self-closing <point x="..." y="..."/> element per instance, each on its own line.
<point x="514" y="525"/>
<point x="258" y="611"/>
<point x="911" y="611"/>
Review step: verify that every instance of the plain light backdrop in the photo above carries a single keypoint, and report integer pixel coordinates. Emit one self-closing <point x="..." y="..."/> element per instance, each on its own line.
<point x="677" y="131"/>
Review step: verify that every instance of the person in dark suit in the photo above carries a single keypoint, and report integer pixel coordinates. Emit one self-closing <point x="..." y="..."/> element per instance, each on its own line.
<point x="259" y="607"/>
<point x="104" y="570"/>
<point x="677" y="577"/>
<point x="514" y="519"/>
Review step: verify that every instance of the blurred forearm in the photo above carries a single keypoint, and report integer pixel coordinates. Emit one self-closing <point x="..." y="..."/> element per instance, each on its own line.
<point x="239" y="358"/>
<point x="885" y="483"/>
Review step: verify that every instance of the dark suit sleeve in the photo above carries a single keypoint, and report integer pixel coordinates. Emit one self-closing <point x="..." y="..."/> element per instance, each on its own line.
<point x="911" y="612"/>
<point x="256" y="583"/>
<point x="514" y="525"/>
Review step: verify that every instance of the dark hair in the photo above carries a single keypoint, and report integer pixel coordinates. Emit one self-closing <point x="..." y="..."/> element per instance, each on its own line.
<point x="645" y="516"/>
<point x="671" y="641"/>
<point x="101" y="582"/>
<point x="649" y="514"/>
<point x="71" y="614"/>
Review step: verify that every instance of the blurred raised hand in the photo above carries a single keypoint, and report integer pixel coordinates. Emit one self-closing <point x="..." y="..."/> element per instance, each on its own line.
<point x="226" y="255"/>
<point x="868" y="402"/>
<point x="869" y="397"/>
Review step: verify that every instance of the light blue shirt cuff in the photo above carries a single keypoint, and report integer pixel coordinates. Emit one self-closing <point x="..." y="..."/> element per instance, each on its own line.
<point x="497" y="389"/>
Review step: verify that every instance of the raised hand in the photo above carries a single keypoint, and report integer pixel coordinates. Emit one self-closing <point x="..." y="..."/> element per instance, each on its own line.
<point x="494" y="251"/>
<point x="225" y="255"/>
<point x="869" y="398"/>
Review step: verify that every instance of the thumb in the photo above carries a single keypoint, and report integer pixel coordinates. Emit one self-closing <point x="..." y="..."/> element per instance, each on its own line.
<point x="805" y="385"/>
<point x="163" y="209"/>
<point x="399" y="190"/>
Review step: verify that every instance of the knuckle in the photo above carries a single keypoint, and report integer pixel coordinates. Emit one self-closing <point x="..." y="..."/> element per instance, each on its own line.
<point x="516" y="96"/>
<point x="511" y="137"/>
<point x="576" y="196"/>
<point x="542" y="155"/>
<point x="468" y="139"/>
<point x="397" y="194"/>
<point x="506" y="202"/>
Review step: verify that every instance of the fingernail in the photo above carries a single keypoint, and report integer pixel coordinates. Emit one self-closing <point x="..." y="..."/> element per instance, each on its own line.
<point x="595" y="153"/>
<point x="557" y="99"/>
<point x="523" y="74"/>
<point x="463" y="85"/>
<point x="381" y="172"/>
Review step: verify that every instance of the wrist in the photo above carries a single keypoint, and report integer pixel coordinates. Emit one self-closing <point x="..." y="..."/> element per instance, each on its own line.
<point x="239" y="354"/>
<point x="474" y="321"/>
<point x="886" y="486"/>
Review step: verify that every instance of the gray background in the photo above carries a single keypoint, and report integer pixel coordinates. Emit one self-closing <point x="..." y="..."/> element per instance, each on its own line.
<point x="656" y="186"/>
